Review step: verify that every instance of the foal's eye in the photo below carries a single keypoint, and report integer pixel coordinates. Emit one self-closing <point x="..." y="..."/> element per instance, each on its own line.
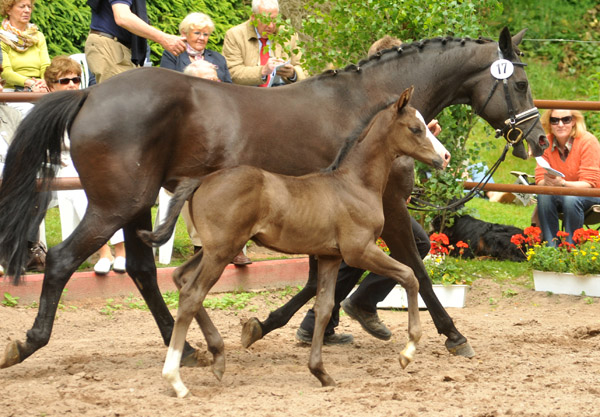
<point x="521" y="85"/>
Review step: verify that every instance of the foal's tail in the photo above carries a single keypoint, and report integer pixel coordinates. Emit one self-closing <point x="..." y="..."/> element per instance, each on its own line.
<point x="161" y="235"/>
<point x="34" y="151"/>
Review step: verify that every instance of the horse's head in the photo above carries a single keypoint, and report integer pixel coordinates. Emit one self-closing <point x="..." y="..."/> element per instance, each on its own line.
<point x="502" y="97"/>
<point x="409" y="133"/>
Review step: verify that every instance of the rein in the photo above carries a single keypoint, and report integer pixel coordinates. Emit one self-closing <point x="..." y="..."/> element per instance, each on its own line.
<point x="501" y="70"/>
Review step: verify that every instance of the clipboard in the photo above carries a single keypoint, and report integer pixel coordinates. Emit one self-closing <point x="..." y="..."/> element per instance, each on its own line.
<point x="544" y="164"/>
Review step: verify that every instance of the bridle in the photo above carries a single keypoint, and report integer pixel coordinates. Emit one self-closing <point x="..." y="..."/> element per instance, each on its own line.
<point x="511" y="131"/>
<point x="501" y="70"/>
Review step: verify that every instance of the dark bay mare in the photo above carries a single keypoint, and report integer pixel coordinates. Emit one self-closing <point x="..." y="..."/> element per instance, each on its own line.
<point x="335" y="215"/>
<point x="151" y="127"/>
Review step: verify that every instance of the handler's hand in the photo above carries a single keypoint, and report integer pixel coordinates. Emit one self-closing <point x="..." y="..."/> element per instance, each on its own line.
<point x="173" y="44"/>
<point x="286" y="71"/>
<point x="553" y="180"/>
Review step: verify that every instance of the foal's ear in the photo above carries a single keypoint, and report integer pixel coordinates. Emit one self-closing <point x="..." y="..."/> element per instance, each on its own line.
<point x="405" y="98"/>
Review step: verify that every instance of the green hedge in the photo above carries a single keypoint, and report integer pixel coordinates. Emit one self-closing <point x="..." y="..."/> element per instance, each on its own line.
<point x="66" y="23"/>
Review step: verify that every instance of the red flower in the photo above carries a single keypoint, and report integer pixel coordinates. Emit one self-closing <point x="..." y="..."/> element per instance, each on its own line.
<point x="461" y="244"/>
<point x="580" y="236"/>
<point x="439" y="243"/>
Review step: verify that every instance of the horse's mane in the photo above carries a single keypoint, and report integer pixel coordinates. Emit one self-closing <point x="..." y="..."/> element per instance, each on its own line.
<point x="356" y="136"/>
<point x="404" y="49"/>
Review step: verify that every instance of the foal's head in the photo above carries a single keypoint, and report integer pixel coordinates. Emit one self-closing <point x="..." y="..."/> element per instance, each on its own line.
<point x="407" y="133"/>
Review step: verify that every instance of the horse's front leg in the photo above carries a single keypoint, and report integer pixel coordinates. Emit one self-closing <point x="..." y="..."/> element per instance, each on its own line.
<point x="254" y="329"/>
<point x="142" y="270"/>
<point x="399" y="238"/>
<point x="328" y="267"/>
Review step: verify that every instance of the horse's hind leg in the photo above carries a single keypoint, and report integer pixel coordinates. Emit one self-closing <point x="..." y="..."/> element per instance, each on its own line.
<point x="61" y="262"/>
<point x="328" y="267"/>
<point x="142" y="269"/>
<point x="254" y="329"/>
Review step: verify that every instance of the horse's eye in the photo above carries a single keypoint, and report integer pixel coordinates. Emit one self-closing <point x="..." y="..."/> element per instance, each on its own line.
<point x="415" y="130"/>
<point x="522" y="85"/>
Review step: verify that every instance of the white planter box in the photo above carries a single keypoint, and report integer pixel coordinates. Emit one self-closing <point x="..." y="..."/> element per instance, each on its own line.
<point x="567" y="283"/>
<point x="449" y="296"/>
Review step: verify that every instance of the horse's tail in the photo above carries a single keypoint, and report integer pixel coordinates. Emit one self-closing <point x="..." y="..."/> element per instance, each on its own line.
<point x="34" y="151"/>
<point x="163" y="232"/>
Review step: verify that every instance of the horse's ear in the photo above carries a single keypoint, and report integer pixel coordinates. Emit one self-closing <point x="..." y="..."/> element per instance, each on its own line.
<point x="506" y="43"/>
<point x="405" y="98"/>
<point x="519" y="37"/>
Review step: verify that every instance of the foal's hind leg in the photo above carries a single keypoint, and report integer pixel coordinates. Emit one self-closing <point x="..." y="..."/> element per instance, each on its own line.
<point x="142" y="269"/>
<point x="197" y="276"/>
<point x="328" y="267"/>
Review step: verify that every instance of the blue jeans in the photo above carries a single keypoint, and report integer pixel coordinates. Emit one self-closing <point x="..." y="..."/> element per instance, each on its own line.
<point x="573" y="209"/>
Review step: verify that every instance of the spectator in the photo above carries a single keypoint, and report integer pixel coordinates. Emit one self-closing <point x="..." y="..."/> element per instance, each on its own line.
<point x="24" y="51"/>
<point x="574" y="152"/>
<point x="117" y="43"/>
<point x="209" y="71"/>
<point x="117" y="39"/>
<point x="251" y="54"/>
<point x="196" y="28"/>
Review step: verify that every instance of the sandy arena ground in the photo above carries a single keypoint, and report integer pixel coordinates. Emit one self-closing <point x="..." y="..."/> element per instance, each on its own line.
<point x="537" y="355"/>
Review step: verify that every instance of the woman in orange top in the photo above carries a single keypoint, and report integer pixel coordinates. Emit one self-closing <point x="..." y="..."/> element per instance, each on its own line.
<point x="576" y="153"/>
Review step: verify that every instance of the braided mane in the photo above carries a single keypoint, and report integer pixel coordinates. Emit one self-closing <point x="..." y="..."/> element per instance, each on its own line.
<point x="402" y="50"/>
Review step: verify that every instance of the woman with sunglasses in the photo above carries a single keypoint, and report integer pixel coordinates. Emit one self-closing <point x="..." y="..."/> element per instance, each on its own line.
<point x="65" y="74"/>
<point x="575" y="153"/>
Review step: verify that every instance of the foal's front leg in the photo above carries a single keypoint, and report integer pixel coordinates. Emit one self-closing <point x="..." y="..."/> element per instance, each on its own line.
<point x="328" y="267"/>
<point x="378" y="262"/>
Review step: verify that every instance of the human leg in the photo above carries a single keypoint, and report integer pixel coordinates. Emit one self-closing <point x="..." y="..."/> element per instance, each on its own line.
<point x="548" y="208"/>
<point x="574" y="209"/>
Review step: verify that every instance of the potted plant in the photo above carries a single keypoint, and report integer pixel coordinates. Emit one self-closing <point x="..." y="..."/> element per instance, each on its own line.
<point x="565" y="269"/>
<point x="449" y="283"/>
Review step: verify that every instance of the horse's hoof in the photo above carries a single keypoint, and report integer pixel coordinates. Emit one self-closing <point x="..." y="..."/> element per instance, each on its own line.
<point x="182" y="392"/>
<point x="195" y="359"/>
<point x="251" y="332"/>
<point x="327" y="381"/>
<point x="11" y="355"/>
<point x="464" y="349"/>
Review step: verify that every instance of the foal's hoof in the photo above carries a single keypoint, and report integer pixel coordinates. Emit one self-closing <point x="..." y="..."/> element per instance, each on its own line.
<point x="463" y="349"/>
<point x="251" y="332"/>
<point x="11" y="355"/>
<point x="218" y="366"/>
<point x="404" y="361"/>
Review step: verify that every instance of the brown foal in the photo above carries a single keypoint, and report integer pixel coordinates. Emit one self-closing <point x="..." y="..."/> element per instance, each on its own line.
<point x="334" y="215"/>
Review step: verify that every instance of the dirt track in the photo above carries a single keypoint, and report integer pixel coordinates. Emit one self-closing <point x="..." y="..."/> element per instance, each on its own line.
<point x="537" y="355"/>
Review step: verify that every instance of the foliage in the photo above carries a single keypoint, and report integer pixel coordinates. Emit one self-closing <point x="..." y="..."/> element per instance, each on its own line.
<point x="10" y="300"/>
<point x="442" y="268"/>
<point x="340" y="33"/>
<point x="580" y="258"/>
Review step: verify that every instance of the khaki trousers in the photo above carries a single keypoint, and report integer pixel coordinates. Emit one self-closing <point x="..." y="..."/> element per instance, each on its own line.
<point x="106" y="57"/>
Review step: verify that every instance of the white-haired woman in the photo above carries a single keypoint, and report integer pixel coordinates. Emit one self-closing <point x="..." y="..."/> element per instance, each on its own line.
<point x="196" y="28"/>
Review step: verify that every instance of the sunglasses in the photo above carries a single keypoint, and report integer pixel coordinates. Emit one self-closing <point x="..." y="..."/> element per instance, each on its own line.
<point x="65" y="81"/>
<point x="566" y="120"/>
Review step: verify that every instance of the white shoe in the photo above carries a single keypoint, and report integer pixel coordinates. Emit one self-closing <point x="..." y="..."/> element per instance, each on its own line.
<point x="119" y="264"/>
<point x="102" y="267"/>
<point x="1" y="271"/>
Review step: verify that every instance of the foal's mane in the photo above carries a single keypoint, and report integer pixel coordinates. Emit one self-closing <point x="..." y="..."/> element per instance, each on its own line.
<point x="357" y="135"/>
